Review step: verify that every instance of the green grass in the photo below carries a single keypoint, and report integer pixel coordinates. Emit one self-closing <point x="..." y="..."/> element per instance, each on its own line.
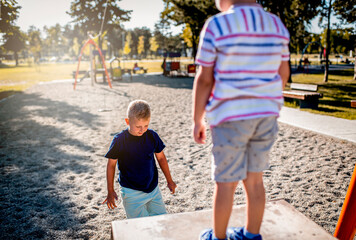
<point x="337" y="93"/>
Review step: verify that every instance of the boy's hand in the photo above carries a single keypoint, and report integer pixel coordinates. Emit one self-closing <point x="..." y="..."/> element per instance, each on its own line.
<point x="172" y="186"/>
<point x="110" y="200"/>
<point x="199" y="132"/>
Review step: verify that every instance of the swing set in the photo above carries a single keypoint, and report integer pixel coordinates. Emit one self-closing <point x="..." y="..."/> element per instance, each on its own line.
<point x="91" y="42"/>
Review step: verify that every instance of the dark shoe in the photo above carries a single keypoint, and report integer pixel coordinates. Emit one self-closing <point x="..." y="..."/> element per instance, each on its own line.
<point x="208" y="234"/>
<point x="234" y="233"/>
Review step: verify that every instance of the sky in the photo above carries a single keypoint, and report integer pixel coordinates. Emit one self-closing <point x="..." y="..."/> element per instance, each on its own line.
<point x="146" y="13"/>
<point x="40" y="13"/>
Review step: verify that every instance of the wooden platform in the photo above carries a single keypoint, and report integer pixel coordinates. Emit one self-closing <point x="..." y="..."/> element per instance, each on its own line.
<point x="281" y="221"/>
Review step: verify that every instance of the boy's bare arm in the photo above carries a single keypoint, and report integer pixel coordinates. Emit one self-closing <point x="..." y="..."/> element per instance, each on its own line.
<point x="284" y="72"/>
<point x="203" y="85"/>
<point x="110" y="175"/>
<point x="163" y="164"/>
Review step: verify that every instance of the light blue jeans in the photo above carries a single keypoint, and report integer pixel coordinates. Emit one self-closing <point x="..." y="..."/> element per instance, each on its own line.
<point x="141" y="204"/>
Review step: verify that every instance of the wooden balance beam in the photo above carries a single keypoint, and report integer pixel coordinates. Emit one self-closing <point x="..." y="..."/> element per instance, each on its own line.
<point x="280" y="221"/>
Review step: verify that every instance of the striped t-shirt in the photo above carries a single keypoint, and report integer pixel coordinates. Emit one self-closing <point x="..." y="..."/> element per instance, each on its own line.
<point x="246" y="46"/>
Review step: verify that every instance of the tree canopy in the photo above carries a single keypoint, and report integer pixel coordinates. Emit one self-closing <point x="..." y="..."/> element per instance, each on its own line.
<point x="345" y="10"/>
<point x="194" y="13"/>
<point x="89" y="14"/>
<point x="8" y="14"/>
<point x="296" y="15"/>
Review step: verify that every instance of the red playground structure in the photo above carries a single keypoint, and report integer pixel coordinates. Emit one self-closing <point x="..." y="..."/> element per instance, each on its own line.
<point x="91" y="42"/>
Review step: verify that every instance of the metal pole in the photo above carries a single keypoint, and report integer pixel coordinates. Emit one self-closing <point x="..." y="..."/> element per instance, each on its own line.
<point x="123" y="48"/>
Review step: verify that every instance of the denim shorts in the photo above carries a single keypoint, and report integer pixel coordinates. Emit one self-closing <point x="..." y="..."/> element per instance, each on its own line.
<point x="141" y="204"/>
<point x="242" y="146"/>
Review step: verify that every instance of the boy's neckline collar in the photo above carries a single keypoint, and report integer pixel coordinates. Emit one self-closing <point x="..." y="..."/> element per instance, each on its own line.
<point x="131" y="135"/>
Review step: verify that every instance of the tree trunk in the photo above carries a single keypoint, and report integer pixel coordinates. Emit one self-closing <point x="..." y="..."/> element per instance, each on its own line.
<point x="355" y="66"/>
<point x="194" y="45"/>
<point x="290" y="69"/>
<point x="326" y="75"/>
<point x="16" y="58"/>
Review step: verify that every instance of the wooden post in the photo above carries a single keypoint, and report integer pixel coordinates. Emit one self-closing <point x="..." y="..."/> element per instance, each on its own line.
<point x="92" y="70"/>
<point x="346" y="226"/>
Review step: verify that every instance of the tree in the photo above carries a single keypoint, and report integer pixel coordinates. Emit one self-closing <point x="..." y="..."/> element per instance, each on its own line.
<point x="8" y="14"/>
<point x="89" y="15"/>
<point x="153" y="45"/>
<point x="15" y="42"/>
<point x="296" y="15"/>
<point x="340" y="40"/>
<point x="116" y="39"/>
<point x="74" y="36"/>
<point x="187" y="35"/>
<point x="141" y="45"/>
<point x="75" y="49"/>
<point x="135" y="34"/>
<point x="161" y="33"/>
<point x="127" y="48"/>
<point x="54" y="41"/>
<point x="35" y="42"/>
<point x="346" y="12"/>
<point x="194" y="13"/>
<point x="325" y="12"/>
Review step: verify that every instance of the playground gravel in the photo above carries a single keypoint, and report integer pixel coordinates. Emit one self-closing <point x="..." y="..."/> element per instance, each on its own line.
<point x="53" y="173"/>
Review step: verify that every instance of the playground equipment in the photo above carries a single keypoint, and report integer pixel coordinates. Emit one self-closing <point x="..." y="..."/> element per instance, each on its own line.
<point x="172" y="66"/>
<point x="346" y="225"/>
<point x="90" y="42"/>
<point x="306" y="62"/>
<point x="117" y="72"/>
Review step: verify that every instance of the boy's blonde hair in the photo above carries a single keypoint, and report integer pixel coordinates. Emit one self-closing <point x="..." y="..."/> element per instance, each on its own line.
<point x="138" y="109"/>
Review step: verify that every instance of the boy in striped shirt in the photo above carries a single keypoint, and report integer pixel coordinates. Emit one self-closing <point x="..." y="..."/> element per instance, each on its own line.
<point x="243" y="56"/>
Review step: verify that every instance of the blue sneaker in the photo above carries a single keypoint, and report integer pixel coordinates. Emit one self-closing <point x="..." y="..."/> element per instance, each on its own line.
<point x="234" y="233"/>
<point x="208" y="234"/>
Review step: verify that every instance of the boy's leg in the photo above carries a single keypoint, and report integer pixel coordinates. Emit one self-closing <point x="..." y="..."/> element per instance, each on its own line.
<point x="258" y="150"/>
<point x="223" y="201"/>
<point x="134" y="202"/>
<point x="228" y="167"/>
<point x="156" y="205"/>
<point x="255" y="198"/>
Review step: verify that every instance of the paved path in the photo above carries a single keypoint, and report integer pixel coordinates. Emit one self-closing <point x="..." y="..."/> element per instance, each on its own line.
<point x="331" y="126"/>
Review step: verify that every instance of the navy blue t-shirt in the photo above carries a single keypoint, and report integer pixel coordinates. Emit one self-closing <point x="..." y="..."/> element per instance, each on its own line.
<point x="135" y="159"/>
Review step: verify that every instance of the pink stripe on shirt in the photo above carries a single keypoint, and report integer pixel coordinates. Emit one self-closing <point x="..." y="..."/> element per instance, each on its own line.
<point x="252" y="35"/>
<point x="246" y="97"/>
<point x="227" y="23"/>
<point x="207" y="30"/>
<point x="261" y="19"/>
<point x="245" y="19"/>
<point x="205" y="63"/>
<point x="246" y="71"/>
<point x="249" y="54"/>
<point x="275" y="23"/>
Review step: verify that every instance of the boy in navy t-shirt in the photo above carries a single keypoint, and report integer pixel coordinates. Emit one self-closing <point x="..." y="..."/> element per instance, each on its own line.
<point x="133" y="151"/>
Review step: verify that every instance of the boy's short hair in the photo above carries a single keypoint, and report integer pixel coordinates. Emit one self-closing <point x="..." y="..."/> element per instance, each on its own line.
<point x="138" y="109"/>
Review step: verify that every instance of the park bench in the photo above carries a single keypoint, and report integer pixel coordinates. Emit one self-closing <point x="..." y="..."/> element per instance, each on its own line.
<point x="123" y="71"/>
<point x="353" y="103"/>
<point x="86" y="74"/>
<point x="305" y="94"/>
